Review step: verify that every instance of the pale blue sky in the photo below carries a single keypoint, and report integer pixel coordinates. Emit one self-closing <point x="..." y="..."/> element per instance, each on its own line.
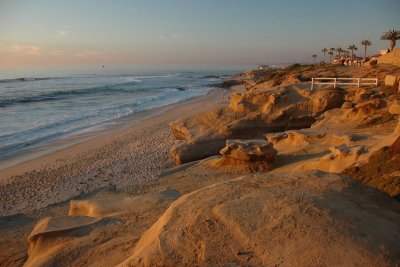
<point x="188" y="32"/>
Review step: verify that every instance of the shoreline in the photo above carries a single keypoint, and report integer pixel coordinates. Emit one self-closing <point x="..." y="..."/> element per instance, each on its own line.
<point x="128" y="157"/>
<point x="78" y="138"/>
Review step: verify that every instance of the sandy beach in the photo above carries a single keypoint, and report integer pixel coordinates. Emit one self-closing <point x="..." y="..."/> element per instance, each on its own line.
<point x="128" y="156"/>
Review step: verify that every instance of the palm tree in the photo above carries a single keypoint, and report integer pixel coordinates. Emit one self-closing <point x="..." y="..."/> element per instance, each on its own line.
<point x="345" y="52"/>
<point x="392" y="36"/>
<point x="339" y="50"/>
<point x="330" y="53"/>
<point x="365" y="43"/>
<point x="352" y="48"/>
<point x="324" y="51"/>
<point x="314" y="56"/>
<point x="333" y="50"/>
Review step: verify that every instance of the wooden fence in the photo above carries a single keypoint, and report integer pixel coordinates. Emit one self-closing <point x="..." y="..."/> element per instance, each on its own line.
<point x="343" y="81"/>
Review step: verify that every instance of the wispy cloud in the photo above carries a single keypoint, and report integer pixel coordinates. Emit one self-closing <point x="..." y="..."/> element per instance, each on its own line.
<point x="58" y="53"/>
<point x="34" y="50"/>
<point x="171" y="36"/>
<point x="24" y="49"/>
<point x="87" y="53"/>
<point x="60" y="34"/>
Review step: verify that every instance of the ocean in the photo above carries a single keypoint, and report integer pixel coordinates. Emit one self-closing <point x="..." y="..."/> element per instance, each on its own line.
<point x="37" y="108"/>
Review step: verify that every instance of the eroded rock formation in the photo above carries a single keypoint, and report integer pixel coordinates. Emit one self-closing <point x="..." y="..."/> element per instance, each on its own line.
<point x="250" y="116"/>
<point x="302" y="219"/>
<point x="253" y="155"/>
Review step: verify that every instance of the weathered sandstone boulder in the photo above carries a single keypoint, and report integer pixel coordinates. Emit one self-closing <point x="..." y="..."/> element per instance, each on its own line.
<point x="98" y="231"/>
<point x="371" y="63"/>
<point x="293" y="138"/>
<point x="249" y="150"/>
<point x="291" y="79"/>
<point x="392" y="81"/>
<point x="347" y="105"/>
<point x="288" y="219"/>
<point x="323" y="100"/>
<point x="363" y="112"/>
<point x="392" y="58"/>
<point x="340" y="158"/>
<point x="49" y="235"/>
<point x="197" y="149"/>
<point x="306" y="142"/>
<point x="382" y="169"/>
<point x="247" y="155"/>
<point x="394" y="107"/>
<point x="397" y="129"/>
<point x="111" y="207"/>
<point x="362" y="94"/>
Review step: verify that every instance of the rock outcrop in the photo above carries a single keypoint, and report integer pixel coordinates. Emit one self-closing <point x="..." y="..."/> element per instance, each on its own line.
<point x="382" y="169"/>
<point x="307" y="142"/>
<point x="397" y="129"/>
<point x="391" y="81"/>
<point x="340" y="158"/>
<point x="253" y="155"/>
<point x="302" y="219"/>
<point x="392" y="58"/>
<point x="394" y="107"/>
<point x="99" y="231"/>
<point x="250" y="116"/>
<point x="364" y="114"/>
<point x="362" y="94"/>
<point x="111" y="207"/>
<point x="347" y="105"/>
<point x="249" y="150"/>
<point x="52" y="234"/>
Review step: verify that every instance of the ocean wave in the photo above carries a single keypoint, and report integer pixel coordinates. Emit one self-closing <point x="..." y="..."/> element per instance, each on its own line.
<point x="132" y="76"/>
<point x="58" y="131"/>
<point x="28" y="79"/>
<point x="62" y="95"/>
<point x="37" y="136"/>
<point x="94" y="101"/>
<point x="107" y="113"/>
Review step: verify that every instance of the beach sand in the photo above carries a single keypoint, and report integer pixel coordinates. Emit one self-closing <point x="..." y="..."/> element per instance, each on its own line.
<point x="122" y="158"/>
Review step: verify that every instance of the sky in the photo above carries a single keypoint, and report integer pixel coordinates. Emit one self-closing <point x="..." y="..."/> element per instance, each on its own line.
<point x="38" y="33"/>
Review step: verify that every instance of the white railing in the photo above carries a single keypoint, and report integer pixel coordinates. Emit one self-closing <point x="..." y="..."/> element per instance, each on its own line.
<point x="341" y="81"/>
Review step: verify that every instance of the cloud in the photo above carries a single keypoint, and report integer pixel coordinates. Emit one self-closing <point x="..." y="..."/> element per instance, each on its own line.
<point x="34" y="50"/>
<point x="176" y="35"/>
<point x="24" y="49"/>
<point x="170" y="36"/>
<point x="57" y="53"/>
<point x="87" y="53"/>
<point x="60" y="34"/>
